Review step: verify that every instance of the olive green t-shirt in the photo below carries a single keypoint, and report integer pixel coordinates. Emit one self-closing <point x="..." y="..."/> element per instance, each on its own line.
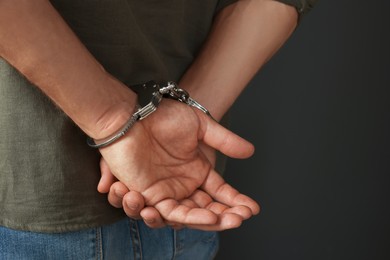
<point x="48" y="175"/>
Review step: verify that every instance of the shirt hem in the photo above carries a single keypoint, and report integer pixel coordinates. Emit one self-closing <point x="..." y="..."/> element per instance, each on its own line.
<point x="58" y="229"/>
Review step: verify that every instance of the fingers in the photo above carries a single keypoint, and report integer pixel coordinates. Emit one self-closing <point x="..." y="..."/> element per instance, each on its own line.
<point x="203" y="200"/>
<point x="194" y="212"/>
<point x="222" y="192"/>
<point x="134" y="206"/>
<point x="116" y="194"/>
<point x="133" y="203"/>
<point x="228" y="217"/>
<point x="107" y="178"/>
<point x="152" y="218"/>
<point x="225" y="222"/>
<point x="198" y="211"/>
<point x="173" y="211"/>
<point x="220" y="138"/>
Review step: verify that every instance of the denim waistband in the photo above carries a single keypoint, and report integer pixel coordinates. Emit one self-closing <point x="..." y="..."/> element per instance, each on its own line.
<point x="126" y="239"/>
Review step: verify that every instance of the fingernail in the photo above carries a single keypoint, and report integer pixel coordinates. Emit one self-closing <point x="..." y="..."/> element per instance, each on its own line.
<point x="149" y="221"/>
<point x="119" y="193"/>
<point x="133" y="206"/>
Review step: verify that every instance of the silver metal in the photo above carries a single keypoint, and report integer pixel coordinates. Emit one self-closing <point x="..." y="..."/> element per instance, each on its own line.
<point x="157" y="92"/>
<point x="173" y="91"/>
<point x="192" y="102"/>
<point x="112" y="138"/>
<point x="168" y="88"/>
<point x="141" y="114"/>
<point x="150" y="107"/>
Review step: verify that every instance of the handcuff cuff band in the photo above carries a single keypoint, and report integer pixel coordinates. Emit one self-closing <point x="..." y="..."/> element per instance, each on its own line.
<point x="169" y="90"/>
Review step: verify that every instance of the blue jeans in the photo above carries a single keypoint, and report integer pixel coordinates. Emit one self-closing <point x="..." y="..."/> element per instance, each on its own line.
<point x="126" y="239"/>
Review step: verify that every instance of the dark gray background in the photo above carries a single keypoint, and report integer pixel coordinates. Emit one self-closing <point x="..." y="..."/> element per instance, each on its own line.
<point x="319" y="115"/>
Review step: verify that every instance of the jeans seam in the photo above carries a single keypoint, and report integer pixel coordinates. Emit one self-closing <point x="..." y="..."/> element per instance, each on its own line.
<point x="99" y="245"/>
<point x="136" y="239"/>
<point x="174" y="244"/>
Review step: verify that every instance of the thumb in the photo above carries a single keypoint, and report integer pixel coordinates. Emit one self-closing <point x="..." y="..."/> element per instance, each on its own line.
<point x="222" y="139"/>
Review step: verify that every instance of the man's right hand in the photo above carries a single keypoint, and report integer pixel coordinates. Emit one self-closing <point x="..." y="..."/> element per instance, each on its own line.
<point x="161" y="159"/>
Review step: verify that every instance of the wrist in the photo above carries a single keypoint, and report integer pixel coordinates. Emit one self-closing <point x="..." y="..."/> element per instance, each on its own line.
<point x="113" y="114"/>
<point x="206" y="96"/>
<point x="112" y="120"/>
<point x="149" y="97"/>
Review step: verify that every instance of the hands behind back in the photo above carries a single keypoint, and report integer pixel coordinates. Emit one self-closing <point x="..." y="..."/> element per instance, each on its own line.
<point x="161" y="158"/>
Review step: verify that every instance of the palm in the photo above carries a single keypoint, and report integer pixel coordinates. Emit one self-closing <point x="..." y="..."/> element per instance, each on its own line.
<point x="160" y="156"/>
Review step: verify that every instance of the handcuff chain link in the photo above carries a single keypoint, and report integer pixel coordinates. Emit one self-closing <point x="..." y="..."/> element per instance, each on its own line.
<point x="173" y="91"/>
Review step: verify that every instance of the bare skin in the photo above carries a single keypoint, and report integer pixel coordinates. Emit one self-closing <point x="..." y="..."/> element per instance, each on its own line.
<point x="31" y="32"/>
<point x="217" y="72"/>
<point x="179" y="165"/>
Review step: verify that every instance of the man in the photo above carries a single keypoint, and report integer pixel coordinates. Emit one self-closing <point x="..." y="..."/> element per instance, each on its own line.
<point x="166" y="160"/>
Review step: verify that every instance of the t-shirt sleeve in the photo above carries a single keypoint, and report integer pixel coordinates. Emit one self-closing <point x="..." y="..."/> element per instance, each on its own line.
<point x="302" y="6"/>
<point x="223" y="3"/>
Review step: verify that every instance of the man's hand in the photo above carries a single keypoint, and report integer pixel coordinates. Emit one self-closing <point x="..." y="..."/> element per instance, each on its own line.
<point x="133" y="204"/>
<point x="161" y="159"/>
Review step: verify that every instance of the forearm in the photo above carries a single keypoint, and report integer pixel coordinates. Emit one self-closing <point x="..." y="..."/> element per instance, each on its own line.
<point x="37" y="42"/>
<point x="244" y="37"/>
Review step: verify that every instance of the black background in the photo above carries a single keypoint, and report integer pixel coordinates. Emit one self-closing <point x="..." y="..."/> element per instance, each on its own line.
<point x="319" y="115"/>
